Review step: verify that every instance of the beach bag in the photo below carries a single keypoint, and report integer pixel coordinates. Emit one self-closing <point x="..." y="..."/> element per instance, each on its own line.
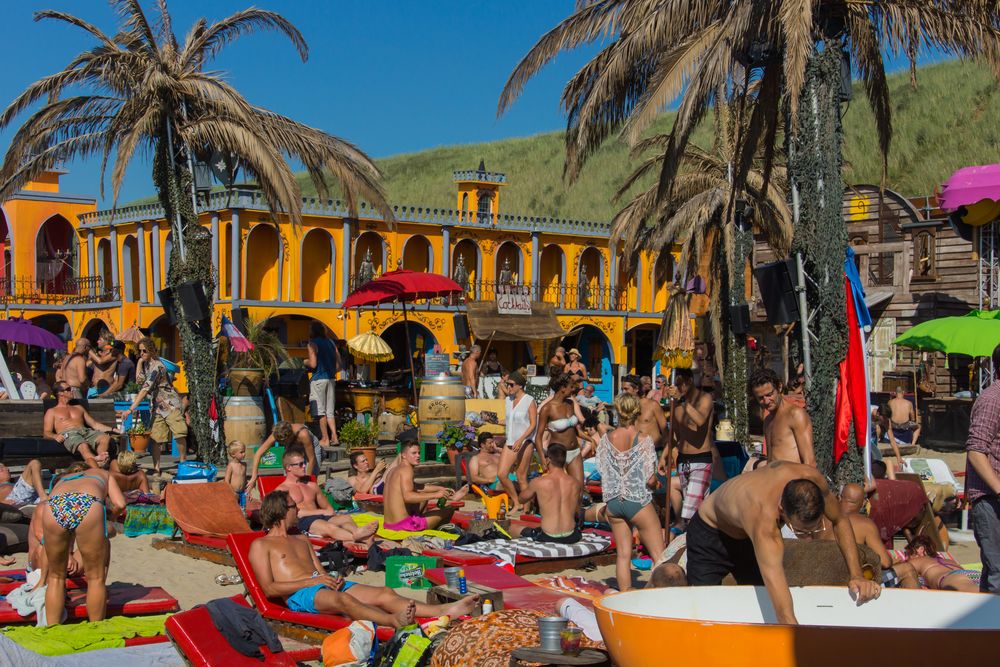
<point x="340" y="490"/>
<point x="195" y="471"/>
<point x="335" y="558"/>
<point x="350" y="646"/>
<point x="409" y="647"/>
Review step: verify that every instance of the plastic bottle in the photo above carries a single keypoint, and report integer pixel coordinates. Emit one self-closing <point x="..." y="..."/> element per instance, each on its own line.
<point x="487" y="606"/>
<point x="463" y="585"/>
<point x="502" y="513"/>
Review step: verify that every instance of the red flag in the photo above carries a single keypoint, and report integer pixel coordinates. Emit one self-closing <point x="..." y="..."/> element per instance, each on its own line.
<point x="852" y="390"/>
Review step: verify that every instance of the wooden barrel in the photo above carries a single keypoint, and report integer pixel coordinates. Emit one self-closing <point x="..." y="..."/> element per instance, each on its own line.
<point x="442" y="402"/>
<point x="245" y="421"/>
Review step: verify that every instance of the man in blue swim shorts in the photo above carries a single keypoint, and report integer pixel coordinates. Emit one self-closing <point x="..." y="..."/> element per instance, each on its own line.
<point x="286" y="566"/>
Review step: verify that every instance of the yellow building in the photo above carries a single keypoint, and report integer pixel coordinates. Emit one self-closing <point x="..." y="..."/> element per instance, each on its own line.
<point x="76" y="270"/>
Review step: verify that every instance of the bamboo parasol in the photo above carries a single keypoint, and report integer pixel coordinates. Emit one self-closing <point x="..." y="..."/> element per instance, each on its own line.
<point x="130" y="335"/>
<point x="676" y="343"/>
<point x="369" y="346"/>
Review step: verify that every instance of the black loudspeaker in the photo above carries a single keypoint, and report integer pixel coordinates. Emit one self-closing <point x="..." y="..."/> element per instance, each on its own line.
<point x="167" y="301"/>
<point x="240" y="316"/>
<point x="777" y="290"/>
<point x="461" y="326"/>
<point x="290" y="382"/>
<point x="193" y="302"/>
<point x="739" y="319"/>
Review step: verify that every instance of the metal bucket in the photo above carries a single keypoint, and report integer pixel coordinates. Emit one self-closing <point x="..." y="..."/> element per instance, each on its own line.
<point x="550" y="633"/>
<point x="451" y="577"/>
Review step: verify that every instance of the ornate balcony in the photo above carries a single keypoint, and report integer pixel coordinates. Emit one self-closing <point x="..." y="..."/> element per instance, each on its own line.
<point x="71" y="290"/>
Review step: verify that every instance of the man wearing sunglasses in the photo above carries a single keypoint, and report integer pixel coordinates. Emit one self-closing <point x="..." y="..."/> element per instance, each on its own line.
<point x="74" y="428"/>
<point x="737" y="530"/>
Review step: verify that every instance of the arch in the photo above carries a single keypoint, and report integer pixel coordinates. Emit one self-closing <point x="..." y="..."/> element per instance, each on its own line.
<point x="6" y="251"/>
<point x="591" y="260"/>
<point x="369" y="242"/>
<point x="418" y="255"/>
<point x="263" y="249"/>
<point x="626" y="297"/>
<point x="597" y="354"/>
<point x="552" y="274"/>
<point x="421" y="340"/>
<point x="317" y="258"/>
<point x="131" y="271"/>
<point x="663" y="276"/>
<point x="104" y="264"/>
<point x="56" y="255"/>
<point x="168" y="250"/>
<point x="472" y="257"/>
<point x="484" y="204"/>
<point x="56" y="323"/>
<point x="166" y="337"/>
<point x="640" y="342"/>
<point x="508" y="251"/>
<point x="93" y="329"/>
<point x="465" y="202"/>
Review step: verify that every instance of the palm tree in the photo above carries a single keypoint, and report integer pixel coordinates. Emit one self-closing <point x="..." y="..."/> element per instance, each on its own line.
<point x="701" y="216"/>
<point x="656" y="51"/>
<point x="142" y="89"/>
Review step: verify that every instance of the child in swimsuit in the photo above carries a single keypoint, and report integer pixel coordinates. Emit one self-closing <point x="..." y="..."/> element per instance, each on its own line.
<point x="236" y="471"/>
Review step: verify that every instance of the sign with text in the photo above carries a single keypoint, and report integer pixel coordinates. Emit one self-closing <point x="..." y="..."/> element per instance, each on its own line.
<point x="513" y="300"/>
<point x="435" y="364"/>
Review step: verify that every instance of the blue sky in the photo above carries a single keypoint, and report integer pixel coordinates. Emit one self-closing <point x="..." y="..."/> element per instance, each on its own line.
<point x="392" y="77"/>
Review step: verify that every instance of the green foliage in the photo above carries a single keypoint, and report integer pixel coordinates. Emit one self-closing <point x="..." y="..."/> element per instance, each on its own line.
<point x="734" y="377"/>
<point x="355" y="435"/>
<point x="131" y="387"/>
<point x="137" y="427"/>
<point x="268" y="352"/>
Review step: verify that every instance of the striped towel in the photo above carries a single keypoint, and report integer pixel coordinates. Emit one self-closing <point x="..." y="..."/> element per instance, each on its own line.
<point x="508" y="550"/>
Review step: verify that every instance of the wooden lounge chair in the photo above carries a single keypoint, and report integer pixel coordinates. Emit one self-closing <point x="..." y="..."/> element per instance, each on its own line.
<point x="196" y="638"/>
<point x="312" y="628"/>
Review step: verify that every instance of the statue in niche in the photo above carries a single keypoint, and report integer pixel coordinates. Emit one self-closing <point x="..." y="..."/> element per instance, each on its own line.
<point x="584" y="288"/>
<point x="461" y="275"/>
<point x="506" y="275"/>
<point x="366" y="272"/>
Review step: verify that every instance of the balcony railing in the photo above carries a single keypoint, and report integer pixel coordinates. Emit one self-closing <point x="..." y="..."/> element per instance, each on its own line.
<point x="71" y="290"/>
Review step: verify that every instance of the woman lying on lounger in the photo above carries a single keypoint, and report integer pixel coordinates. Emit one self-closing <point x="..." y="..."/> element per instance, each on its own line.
<point x="939" y="571"/>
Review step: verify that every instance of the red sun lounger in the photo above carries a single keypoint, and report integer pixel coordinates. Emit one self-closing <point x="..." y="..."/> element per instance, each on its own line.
<point x="196" y="638"/>
<point x="19" y="575"/>
<point x="275" y="610"/>
<point x="123" y="600"/>
<point x="484" y="575"/>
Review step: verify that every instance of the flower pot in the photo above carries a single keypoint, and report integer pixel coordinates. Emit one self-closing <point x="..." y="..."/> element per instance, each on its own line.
<point x="139" y="442"/>
<point x="246" y="381"/>
<point x="369" y="454"/>
<point x="452" y="454"/>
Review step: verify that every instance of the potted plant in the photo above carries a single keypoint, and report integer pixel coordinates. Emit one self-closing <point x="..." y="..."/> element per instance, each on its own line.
<point x="456" y="437"/>
<point x="130" y="390"/>
<point x="249" y="370"/>
<point x="358" y="437"/>
<point x="138" y="435"/>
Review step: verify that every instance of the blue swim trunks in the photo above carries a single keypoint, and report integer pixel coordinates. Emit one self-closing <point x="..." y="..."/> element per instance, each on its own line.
<point x="304" y="599"/>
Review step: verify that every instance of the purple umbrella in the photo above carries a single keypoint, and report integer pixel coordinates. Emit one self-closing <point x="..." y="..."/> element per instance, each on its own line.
<point x="971" y="185"/>
<point x="17" y="330"/>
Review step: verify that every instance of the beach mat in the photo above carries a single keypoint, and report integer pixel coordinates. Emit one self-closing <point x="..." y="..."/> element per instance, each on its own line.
<point x="206" y="509"/>
<point x="195" y="636"/>
<point x="123" y="600"/>
<point x="398" y="535"/>
<point x="590" y="544"/>
<point x="81" y="637"/>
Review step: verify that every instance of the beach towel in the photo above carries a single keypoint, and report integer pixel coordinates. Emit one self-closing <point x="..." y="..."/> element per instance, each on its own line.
<point x="65" y="639"/>
<point x="576" y="586"/>
<point x="160" y="654"/>
<point x="508" y="550"/>
<point x="364" y="519"/>
<point x="147" y="519"/>
<point x="27" y="600"/>
<point x="206" y="509"/>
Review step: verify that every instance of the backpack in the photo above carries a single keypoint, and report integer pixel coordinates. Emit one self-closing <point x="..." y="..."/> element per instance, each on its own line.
<point x="409" y="647"/>
<point x="334" y="558"/>
<point x="340" y="490"/>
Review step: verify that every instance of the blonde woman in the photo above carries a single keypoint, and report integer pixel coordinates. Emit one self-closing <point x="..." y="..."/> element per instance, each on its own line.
<point x="626" y="460"/>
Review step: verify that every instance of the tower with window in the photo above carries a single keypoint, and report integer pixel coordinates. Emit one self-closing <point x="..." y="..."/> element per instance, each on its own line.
<point x="479" y="193"/>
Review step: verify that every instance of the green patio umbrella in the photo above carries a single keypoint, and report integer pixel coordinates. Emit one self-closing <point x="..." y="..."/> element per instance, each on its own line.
<point x="976" y="334"/>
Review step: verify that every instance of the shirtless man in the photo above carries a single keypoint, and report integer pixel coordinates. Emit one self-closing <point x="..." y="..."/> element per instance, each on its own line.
<point x="365" y="478"/>
<point x="75" y="369"/>
<point x="737" y="530"/>
<point x="470" y="372"/>
<point x="558" y="362"/>
<point x="692" y="434"/>
<point x="75" y="429"/>
<point x="562" y="420"/>
<point x="558" y="496"/>
<point x="894" y="575"/>
<point x="104" y="362"/>
<point x="484" y="467"/>
<point x="286" y="567"/>
<point x="652" y="421"/>
<point x="27" y="490"/>
<point x="411" y="510"/>
<point x="290" y="436"/>
<point x="903" y="418"/>
<point x="315" y="516"/>
<point x="939" y="571"/>
<point x="787" y="427"/>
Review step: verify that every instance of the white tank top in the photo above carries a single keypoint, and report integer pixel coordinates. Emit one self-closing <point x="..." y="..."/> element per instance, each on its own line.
<point x="517" y="417"/>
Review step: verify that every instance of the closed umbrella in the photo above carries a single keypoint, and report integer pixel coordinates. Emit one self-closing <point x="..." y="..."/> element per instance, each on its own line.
<point x="130" y="335"/>
<point x="676" y="343"/>
<point x="370" y="347"/>
<point x="17" y="330"/>
<point x="401" y="286"/>
<point x="976" y="334"/>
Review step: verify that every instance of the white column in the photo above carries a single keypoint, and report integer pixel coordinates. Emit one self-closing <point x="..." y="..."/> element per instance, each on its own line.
<point x="91" y="254"/>
<point x="140" y="237"/>
<point x="157" y="252"/>
<point x="346" y="260"/>
<point x="446" y="250"/>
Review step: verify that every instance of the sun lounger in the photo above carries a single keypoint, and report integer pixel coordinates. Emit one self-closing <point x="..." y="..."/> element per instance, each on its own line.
<point x="518" y="592"/>
<point x="309" y="627"/>
<point x="202" y="645"/>
<point x="19" y="577"/>
<point x="203" y="514"/>
<point x="123" y="600"/>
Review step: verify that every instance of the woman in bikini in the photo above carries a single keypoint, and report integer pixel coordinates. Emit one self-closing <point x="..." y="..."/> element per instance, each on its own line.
<point x="562" y="420"/>
<point x="76" y="510"/>
<point x="938" y="571"/>
<point x="627" y="463"/>
<point x="576" y="367"/>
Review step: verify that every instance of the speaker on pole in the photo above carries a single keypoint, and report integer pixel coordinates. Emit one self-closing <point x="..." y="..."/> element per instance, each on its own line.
<point x="240" y="317"/>
<point x="194" y="303"/>
<point x="167" y="301"/>
<point x="739" y="319"/>
<point x="777" y="289"/>
<point x="461" y="326"/>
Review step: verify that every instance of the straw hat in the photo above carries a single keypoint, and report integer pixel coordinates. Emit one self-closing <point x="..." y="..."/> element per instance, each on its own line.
<point x="575" y="351"/>
<point x="725" y="432"/>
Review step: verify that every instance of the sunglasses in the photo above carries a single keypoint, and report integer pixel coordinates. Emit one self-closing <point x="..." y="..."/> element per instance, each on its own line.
<point x="143" y="350"/>
<point x="297" y="464"/>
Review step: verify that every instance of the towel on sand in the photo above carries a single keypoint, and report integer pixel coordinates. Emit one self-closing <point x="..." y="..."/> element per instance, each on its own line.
<point x="206" y="509"/>
<point x="508" y="550"/>
<point x="63" y="639"/>
<point x="397" y="535"/>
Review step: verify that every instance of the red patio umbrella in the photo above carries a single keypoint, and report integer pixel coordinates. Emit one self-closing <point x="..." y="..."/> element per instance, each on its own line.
<point x="401" y="286"/>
